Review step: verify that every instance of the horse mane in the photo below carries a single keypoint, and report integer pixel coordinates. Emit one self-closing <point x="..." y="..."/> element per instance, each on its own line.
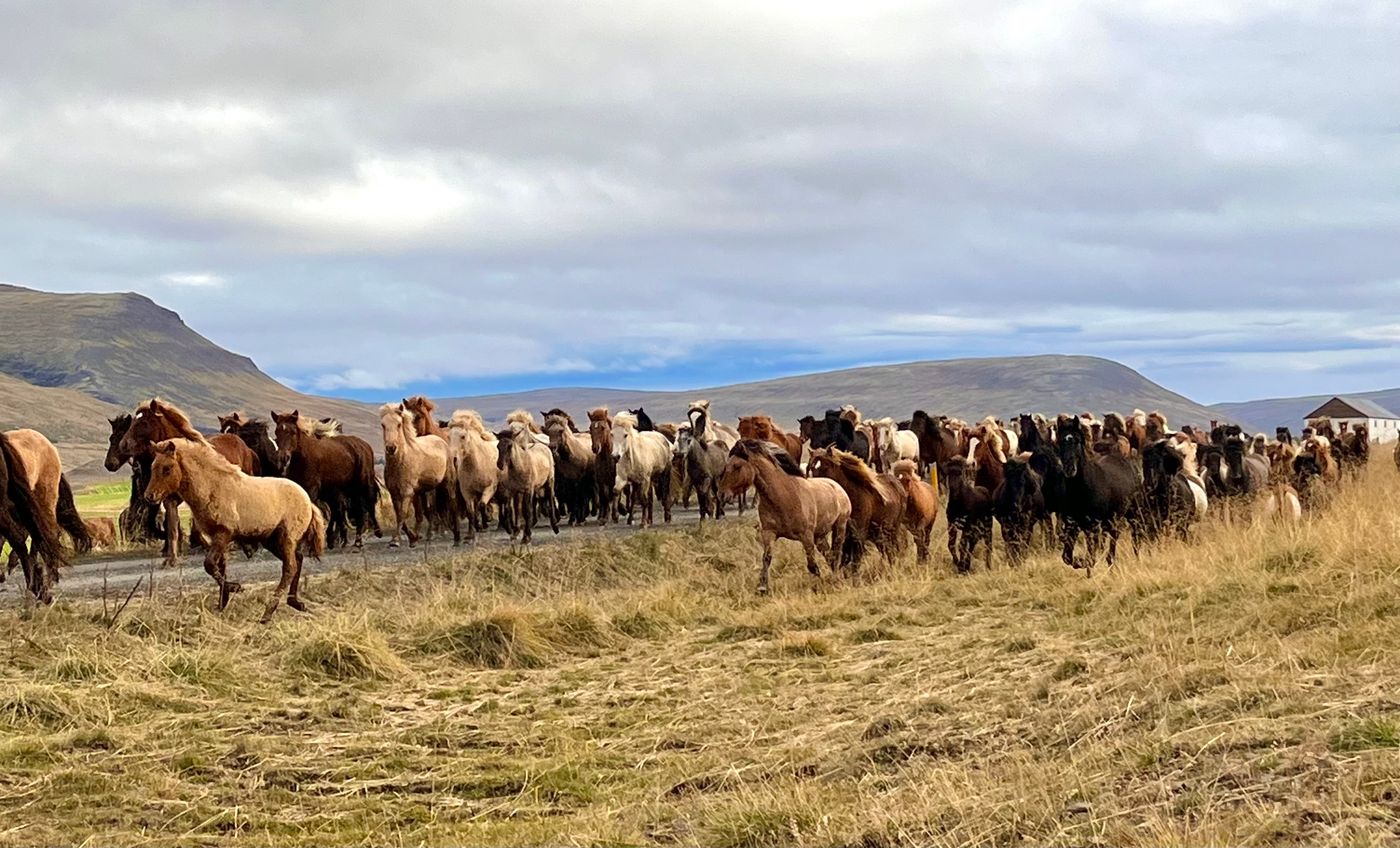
<point x="905" y="467"/>
<point x="625" y="420"/>
<point x="854" y="466"/>
<point x="470" y="420"/>
<point x="1114" y="425"/>
<point x="523" y="417"/>
<point x="702" y="404"/>
<point x="556" y="412"/>
<point x="746" y="448"/>
<point x="598" y="414"/>
<point x="850" y="413"/>
<point x="176" y="416"/>
<point x="1139" y="418"/>
<point x="207" y="458"/>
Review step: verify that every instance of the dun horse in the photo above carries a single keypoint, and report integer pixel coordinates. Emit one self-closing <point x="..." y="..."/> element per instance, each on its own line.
<point x="230" y="507"/>
<point x="416" y="468"/>
<point x="474" y="450"/>
<point x="643" y="465"/>
<point x="27" y="524"/>
<point x="813" y="512"/>
<point x="526" y="468"/>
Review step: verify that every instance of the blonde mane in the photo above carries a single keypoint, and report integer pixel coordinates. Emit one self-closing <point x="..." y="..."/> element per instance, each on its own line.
<point x="470" y="421"/>
<point x="598" y="414"/>
<point x="625" y="420"/>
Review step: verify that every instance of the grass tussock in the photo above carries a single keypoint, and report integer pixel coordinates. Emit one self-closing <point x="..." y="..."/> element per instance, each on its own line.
<point x="1237" y="689"/>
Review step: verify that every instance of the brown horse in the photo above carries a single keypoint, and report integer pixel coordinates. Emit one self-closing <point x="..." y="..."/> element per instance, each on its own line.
<point x="761" y="427"/>
<point x="424" y="421"/>
<point x="815" y="513"/>
<point x="28" y="525"/>
<point x="140" y="521"/>
<point x="604" y="464"/>
<point x="877" y="503"/>
<point x="573" y="465"/>
<point x="254" y="433"/>
<point x="103" y="532"/>
<point x="43" y="474"/>
<point x="231" y="507"/>
<point x="416" y="469"/>
<point x="921" y="506"/>
<point x="526" y="468"/>
<point x="337" y="471"/>
<point x="156" y="421"/>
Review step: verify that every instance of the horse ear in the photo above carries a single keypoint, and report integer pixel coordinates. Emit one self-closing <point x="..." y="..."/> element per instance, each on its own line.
<point x="167" y="448"/>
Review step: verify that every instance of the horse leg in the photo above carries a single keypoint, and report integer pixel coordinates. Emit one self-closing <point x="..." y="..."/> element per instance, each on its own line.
<point x="1069" y="534"/>
<point x="454" y="517"/>
<point x="809" y="547"/>
<point x="986" y="535"/>
<point x="172" y="533"/>
<point x="664" y="486"/>
<point x="553" y="510"/>
<point x="215" y="556"/>
<point x="529" y="511"/>
<point x="765" y="538"/>
<point x="921" y="537"/>
<point x="953" y="528"/>
<point x="286" y="548"/>
<point x="294" y="594"/>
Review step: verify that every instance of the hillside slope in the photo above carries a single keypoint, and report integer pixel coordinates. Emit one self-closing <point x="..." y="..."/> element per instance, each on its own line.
<point x="120" y="349"/>
<point x="966" y="388"/>
<point x="1269" y="413"/>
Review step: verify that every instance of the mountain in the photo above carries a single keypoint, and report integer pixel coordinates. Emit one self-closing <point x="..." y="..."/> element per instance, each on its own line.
<point x="70" y="361"/>
<point x="1269" y="413"/>
<point x="966" y="388"/>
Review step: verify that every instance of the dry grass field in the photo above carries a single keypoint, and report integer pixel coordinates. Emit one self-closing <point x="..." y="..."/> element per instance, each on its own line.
<point x="1238" y="690"/>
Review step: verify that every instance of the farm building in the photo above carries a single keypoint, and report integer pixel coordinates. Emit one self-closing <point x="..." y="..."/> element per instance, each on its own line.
<point x="1383" y="425"/>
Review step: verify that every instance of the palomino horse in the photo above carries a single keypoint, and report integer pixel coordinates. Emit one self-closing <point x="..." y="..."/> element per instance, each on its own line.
<point x="644" y="465"/>
<point x="474" y="452"/>
<point x="761" y="427"/>
<point x="604" y="464"/>
<point x="573" y="465"/>
<point x="416" y="468"/>
<point x="231" y="507"/>
<point x="877" y="503"/>
<point x="526" y="469"/>
<point x="25" y="517"/>
<point x="921" y="505"/>
<point x="814" y="513"/>
<point x="337" y="471"/>
<point x="155" y="421"/>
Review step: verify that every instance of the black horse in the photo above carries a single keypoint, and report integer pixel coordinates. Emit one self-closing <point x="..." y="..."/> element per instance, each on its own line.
<point x="1099" y="494"/>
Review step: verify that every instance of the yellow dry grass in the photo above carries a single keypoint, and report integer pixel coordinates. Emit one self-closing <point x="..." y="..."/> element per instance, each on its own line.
<point x="1237" y="690"/>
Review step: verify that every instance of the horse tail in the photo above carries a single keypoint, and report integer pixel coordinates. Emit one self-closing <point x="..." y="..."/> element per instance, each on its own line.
<point x="314" y="537"/>
<point x="41" y="524"/>
<point x="70" y="520"/>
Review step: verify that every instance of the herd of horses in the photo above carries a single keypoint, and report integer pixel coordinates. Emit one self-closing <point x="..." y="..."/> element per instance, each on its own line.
<point x="840" y="485"/>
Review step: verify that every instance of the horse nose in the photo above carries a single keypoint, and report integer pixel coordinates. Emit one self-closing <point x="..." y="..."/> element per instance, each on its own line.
<point x="390" y="450"/>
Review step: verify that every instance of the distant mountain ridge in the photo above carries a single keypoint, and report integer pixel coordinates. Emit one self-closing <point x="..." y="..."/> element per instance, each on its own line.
<point x="966" y="388"/>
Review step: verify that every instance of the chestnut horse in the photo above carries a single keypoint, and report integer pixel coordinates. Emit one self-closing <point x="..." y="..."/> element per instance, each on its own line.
<point x="761" y="427"/>
<point x="155" y="421"/>
<point x="815" y="513"/>
<point x="921" y="506"/>
<point x="604" y="464"/>
<point x="230" y="507"/>
<point x="140" y="521"/>
<point x="877" y="503"/>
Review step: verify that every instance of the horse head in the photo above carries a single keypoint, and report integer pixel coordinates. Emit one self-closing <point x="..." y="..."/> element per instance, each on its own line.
<point x="116" y="457"/>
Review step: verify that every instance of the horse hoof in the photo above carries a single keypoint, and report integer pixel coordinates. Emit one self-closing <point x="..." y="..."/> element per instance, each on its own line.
<point x="762" y="590"/>
<point x="297" y="604"/>
<point x="393" y="544"/>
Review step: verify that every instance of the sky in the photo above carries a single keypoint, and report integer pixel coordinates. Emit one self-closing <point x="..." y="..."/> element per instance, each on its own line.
<point x="375" y="198"/>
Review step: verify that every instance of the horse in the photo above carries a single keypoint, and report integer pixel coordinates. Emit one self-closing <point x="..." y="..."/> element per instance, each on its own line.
<point x="604" y="464"/>
<point x="812" y="512"/>
<point x="1171" y="500"/>
<point x="644" y="465"/>
<point x="526" y="469"/>
<point x="877" y="503"/>
<point x="416" y="468"/>
<point x="573" y="465"/>
<point x="28" y="525"/>
<point x="1099" y="493"/>
<point x="1354" y="451"/>
<point x="140" y="522"/>
<point x="920" y="506"/>
<point x="1018" y="504"/>
<point x="156" y="421"/>
<point x="761" y="427"/>
<point x="937" y="442"/>
<point x="895" y="444"/>
<point x="474" y="451"/>
<point x="41" y="470"/>
<point x="335" y="470"/>
<point x="970" y="512"/>
<point x="706" y="429"/>
<point x="424" y="423"/>
<point x="705" y="460"/>
<point x="231" y="507"/>
<point x="254" y="433"/>
<point x="103" y="532"/>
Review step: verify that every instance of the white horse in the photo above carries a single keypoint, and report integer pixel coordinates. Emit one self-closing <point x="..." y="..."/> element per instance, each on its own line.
<point x="475" y="453"/>
<point x="706" y="429"/>
<point x="644" y="463"/>
<point x="895" y="444"/>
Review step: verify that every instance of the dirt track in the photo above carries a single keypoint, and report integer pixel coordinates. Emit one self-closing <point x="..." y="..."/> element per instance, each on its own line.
<point x="115" y="575"/>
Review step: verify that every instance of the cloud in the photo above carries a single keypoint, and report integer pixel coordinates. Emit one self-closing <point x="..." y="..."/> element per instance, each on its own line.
<point x="491" y="191"/>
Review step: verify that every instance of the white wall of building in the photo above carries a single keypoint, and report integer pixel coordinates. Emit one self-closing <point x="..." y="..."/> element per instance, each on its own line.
<point x="1382" y="430"/>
